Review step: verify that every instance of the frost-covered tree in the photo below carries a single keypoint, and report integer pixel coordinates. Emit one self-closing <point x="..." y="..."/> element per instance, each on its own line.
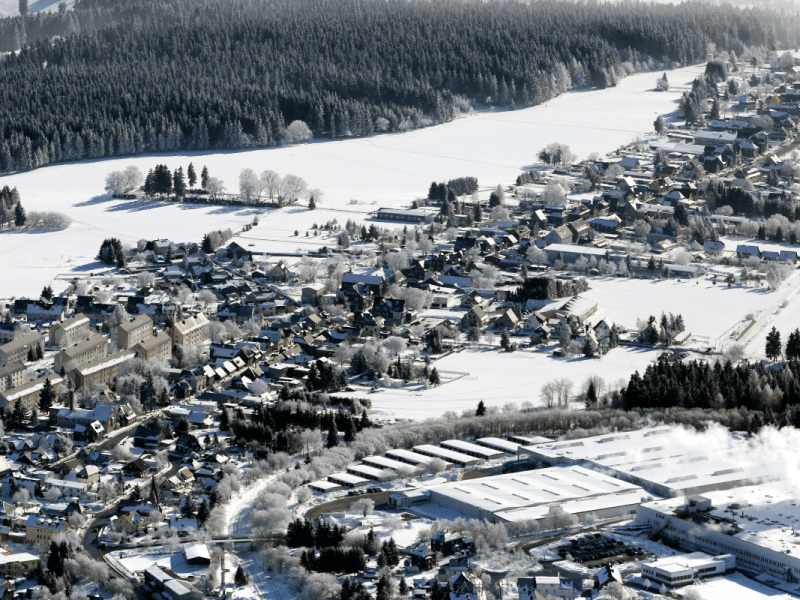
<point x="296" y="133"/>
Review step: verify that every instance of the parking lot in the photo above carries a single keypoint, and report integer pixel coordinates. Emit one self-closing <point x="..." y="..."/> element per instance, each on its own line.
<point x="596" y="550"/>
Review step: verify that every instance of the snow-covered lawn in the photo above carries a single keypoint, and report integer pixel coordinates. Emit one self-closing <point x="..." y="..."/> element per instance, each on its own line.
<point x="498" y="377"/>
<point x="391" y="169"/>
<point x="710" y="312"/>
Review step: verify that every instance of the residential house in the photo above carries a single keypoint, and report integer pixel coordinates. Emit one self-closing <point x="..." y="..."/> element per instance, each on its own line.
<point x="190" y="331"/>
<point x="311" y="293"/>
<point x="471" y="299"/>
<point x="102" y="370"/>
<point x="9" y="331"/>
<point x="27" y="394"/>
<point x="18" y="564"/>
<point x="359" y="297"/>
<point x="157" y="345"/>
<point x="392" y="310"/>
<point x="475" y="317"/>
<point x="534" y="588"/>
<point x="239" y="314"/>
<point x="464" y="586"/>
<point x="107" y="416"/>
<point x="19" y="349"/>
<point x="70" y="331"/>
<point x="421" y="557"/>
<point x="560" y="235"/>
<point x="607" y="224"/>
<point x="133" y="332"/>
<point x="40" y="530"/>
<point x="713" y="248"/>
<point x="81" y="354"/>
<point x="12" y="375"/>
<point x="507" y="320"/>
<point x="743" y="251"/>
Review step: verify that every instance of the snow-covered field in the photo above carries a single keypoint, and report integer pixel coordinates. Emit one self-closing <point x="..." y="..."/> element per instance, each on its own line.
<point x="498" y="377"/>
<point x="391" y="169"/>
<point x="710" y="312"/>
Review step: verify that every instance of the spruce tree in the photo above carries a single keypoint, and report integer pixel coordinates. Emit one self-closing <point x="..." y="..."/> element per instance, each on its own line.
<point x="793" y="346"/>
<point x="240" y="578"/>
<point x="481" y="411"/>
<point x="19" y="216"/>
<point x="333" y="435"/>
<point x="204" y="177"/>
<point x="191" y="175"/>
<point x="773" y="347"/>
<point x="46" y="396"/>
<point x="591" y="396"/>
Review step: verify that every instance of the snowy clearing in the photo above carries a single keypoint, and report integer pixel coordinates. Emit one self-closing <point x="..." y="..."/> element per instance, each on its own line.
<point x="498" y="377"/>
<point x="391" y="169"/>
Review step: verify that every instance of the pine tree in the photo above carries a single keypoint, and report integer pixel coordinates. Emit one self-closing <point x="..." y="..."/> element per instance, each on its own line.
<point x="481" y="411"/>
<point x="179" y="183"/>
<point x="47" y="293"/>
<point x="773" y="347"/>
<point x="19" y="216"/>
<point x="23" y="8"/>
<point x="240" y="578"/>
<point x="47" y="396"/>
<point x="793" y="346"/>
<point x="312" y="203"/>
<point x="433" y="377"/>
<point x="191" y="175"/>
<point x="505" y="340"/>
<point x="333" y="435"/>
<point x="187" y="510"/>
<point x="591" y="396"/>
<point x="204" y="177"/>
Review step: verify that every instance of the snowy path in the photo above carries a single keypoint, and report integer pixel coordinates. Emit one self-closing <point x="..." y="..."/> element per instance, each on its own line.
<point x="239" y="508"/>
<point x="783" y="314"/>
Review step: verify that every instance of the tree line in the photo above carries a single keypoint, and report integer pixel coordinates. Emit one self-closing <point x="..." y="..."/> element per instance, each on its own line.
<point x="700" y="385"/>
<point x="141" y="76"/>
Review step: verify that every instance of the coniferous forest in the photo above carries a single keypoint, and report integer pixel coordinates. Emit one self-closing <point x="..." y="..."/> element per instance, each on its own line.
<point x="124" y="77"/>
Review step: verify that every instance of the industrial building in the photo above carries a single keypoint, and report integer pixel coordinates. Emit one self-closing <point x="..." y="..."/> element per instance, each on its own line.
<point x="650" y="458"/>
<point x="458" y="458"/>
<point x="412" y="458"/>
<point x="683" y="569"/>
<point x="495" y="498"/>
<point x="756" y="524"/>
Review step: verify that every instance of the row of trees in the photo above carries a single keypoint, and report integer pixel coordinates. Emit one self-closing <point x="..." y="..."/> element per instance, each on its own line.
<point x="700" y="385"/>
<point x="149" y="75"/>
<point x="275" y="189"/>
<point x="774" y="348"/>
<point x="549" y="288"/>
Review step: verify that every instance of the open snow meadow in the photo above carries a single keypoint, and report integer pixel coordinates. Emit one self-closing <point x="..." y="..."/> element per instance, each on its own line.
<point x="391" y="169"/>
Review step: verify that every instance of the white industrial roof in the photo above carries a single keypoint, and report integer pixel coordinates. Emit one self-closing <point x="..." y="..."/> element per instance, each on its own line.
<point x="409" y="456"/>
<point x="658" y="455"/>
<point x="385" y="463"/>
<point x="767" y="515"/>
<point x="540" y="487"/>
<point x="449" y="455"/>
<point x="469" y="448"/>
<point x="680" y="562"/>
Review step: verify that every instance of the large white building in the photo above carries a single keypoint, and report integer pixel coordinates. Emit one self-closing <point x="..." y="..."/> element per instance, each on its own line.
<point x="683" y="569"/>
<point x="756" y="524"/>
<point x="657" y="460"/>
<point x="540" y="494"/>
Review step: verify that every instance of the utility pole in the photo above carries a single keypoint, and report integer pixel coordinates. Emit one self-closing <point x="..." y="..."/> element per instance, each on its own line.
<point x="224" y="589"/>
